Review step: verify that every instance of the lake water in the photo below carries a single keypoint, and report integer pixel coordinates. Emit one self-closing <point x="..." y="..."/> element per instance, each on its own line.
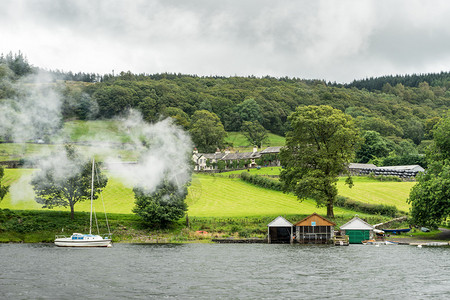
<point x="217" y="271"/>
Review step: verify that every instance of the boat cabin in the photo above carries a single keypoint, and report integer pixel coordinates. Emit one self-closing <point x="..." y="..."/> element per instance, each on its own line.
<point x="280" y="230"/>
<point x="314" y="229"/>
<point x="357" y="230"/>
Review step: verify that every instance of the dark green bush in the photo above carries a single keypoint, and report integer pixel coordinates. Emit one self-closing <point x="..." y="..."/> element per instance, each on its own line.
<point x="374" y="209"/>
<point x="261" y="181"/>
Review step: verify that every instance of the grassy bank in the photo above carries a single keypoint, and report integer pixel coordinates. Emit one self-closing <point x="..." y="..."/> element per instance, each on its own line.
<point x="33" y="226"/>
<point x="219" y="205"/>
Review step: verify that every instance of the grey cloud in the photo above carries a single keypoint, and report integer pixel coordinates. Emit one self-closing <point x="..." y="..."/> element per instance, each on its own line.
<point x="331" y="40"/>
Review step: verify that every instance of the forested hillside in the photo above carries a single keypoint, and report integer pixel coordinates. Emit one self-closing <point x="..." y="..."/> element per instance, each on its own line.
<point x="376" y="84"/>
<point x="395" y="119"/>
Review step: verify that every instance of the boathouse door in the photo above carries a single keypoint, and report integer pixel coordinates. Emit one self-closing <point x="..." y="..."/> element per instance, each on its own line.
<point x="357" y="236"/>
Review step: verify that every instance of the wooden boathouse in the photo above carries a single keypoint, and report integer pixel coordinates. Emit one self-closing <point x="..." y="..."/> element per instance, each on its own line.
<point x="314" y="229"/>
<point x="280" y="230"/>
<point x="357" y="230"/>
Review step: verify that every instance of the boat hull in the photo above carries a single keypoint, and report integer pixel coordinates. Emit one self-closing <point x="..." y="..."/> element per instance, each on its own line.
<point x="104" y="243"/>
<point x="79" y="240"/>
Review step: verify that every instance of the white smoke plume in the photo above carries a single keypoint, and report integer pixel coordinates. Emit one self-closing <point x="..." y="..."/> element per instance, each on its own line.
<point x="161" y="150"/>
<point x="33" y="113"/>
<point x="21" y="190"/>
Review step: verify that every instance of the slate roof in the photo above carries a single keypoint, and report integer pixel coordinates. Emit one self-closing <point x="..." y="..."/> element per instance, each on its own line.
<point x="215" y="156"/>
<point x="404" y="168"/>
<point x="271" y="150"/>
<point x="241" y="155"/>
<point x="361" y="166"/>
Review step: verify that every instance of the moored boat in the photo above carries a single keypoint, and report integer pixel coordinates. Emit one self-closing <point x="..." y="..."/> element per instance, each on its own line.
<point x="373" y="242"/>
<point x="83" y="240"/>
<point x="86" y="240"/>
<point x="395" y="231"/>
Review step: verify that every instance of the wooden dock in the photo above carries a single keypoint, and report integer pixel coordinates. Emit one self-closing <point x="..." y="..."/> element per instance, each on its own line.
<point x="340" y="240"/>
<point x="240" y="241"/>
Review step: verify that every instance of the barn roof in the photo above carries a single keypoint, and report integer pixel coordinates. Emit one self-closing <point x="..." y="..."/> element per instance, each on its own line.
<point x="404" y="168"/>
<point x="319" y="221"/>
<point x="280" y="222"/>
<point x="270" y="150"/>
<point x="361" y="166"/>
<point x="357" y="224"/>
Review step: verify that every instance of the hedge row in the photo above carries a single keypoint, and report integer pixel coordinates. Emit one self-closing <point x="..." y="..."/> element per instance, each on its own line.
<point x="341" y="201"/>
<point x="374" y="209"/>
<point x="261" y="181"/>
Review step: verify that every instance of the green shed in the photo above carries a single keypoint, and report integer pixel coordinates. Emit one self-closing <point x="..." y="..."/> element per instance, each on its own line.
<point x="357" y="230"/>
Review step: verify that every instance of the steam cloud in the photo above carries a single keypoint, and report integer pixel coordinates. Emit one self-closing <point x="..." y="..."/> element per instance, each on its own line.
<point x="34" y="114"/>
<point x="163" y="149"/>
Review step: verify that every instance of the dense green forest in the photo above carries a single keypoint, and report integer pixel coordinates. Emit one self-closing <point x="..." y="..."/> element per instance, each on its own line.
<point x="414" y="80"/>
<point x="396" y="114"/>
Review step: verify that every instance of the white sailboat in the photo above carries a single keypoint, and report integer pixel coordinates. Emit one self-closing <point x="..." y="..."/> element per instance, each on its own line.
<point x="86" y="240"/>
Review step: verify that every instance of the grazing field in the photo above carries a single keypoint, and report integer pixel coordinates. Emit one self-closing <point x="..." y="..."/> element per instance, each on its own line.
<point x="82" y="131"/>
<point x="238" y="140"/>
<point x="224" y="197"/>
<point x="274" y="171"/>
<point x="209" y="196"/>
<point x="377" y="192"/>
<point x="17" y="151"/>
<point x="365" y="189"/>
<point x="117" y="197"/>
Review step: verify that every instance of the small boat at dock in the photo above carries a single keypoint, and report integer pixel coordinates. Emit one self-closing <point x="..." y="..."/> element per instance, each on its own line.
<point x="374" y="242"/>
<point x="395" y="231"/>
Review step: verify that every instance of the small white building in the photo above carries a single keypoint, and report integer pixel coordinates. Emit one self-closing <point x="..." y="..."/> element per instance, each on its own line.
<point x="280" y="230"/>
<point x="357" y="230"/>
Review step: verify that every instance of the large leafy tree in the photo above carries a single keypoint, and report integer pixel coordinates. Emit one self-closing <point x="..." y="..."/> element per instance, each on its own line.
<point x="249" y="110"/>
<point x="66" y="181"/>
<point x="254" y="132"/>
<point x="430" y="197"/>
<point x="322" y="142"/>
<point x="207" y="131"/>
<point x="374" y="146"/>
<point x="162" y="206"/>
<point x="3" y="188"/>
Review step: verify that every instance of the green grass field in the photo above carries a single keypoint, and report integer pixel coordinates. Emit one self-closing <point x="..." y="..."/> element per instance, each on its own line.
<point x="365" y="189"/>
<point x="220" y="196"/>
<point x="375" y="192"/>
<point x="82" y="131"/>
<point x="224" y="197"/>
<point x="209" y="196"/>
<point x="117" y="197"/>
<point x="239" y="141"/>
<point x="94" y="131"/>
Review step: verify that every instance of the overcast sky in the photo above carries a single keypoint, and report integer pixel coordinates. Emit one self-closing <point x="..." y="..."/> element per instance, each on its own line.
<point x="331" y="40"/>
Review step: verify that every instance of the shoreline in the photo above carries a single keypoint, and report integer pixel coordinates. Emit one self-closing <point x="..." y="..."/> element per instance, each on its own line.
<point x="407" y="241"/>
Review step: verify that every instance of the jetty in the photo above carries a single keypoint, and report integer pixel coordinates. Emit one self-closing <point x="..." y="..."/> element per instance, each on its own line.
<point x="240" y="241"/>
<point x="341" y="240"/>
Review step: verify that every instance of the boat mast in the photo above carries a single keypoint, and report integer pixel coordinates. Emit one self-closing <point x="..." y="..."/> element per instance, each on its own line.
<point x="92" y="197"/>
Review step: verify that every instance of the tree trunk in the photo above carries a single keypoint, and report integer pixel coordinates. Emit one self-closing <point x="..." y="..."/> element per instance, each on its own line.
<point x="330" y="212"/>
<point x="72" y="212"/>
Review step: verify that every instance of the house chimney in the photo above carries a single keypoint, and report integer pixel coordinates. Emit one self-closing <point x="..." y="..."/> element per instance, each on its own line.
<point x="255" y="149"/>
<point x="195" y="151"/>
